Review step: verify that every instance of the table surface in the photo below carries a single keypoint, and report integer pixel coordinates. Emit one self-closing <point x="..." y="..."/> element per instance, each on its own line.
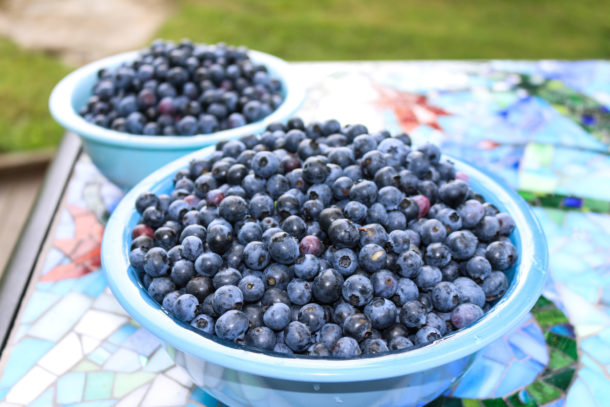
<point x="544" y="126"/>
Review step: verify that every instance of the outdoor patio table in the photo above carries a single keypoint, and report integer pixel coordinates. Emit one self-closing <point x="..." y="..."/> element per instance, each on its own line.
<point x="543" y="126"/>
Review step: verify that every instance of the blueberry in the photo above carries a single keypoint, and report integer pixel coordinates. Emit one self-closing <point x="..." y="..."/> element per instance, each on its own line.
<point x="495" y="285"/>
<point x="433" y="231"/>
<point x="277" y="316"/>
<point x="478" y="268"/>
<point x="373" y="233"/>
<point x="428" y="277"/>
<point x="170" y="299"/>
<point x="256" y="256"/>
<point x="277" y="276"/>
<point x="435" y="321"/>
<point x="469" y="291"/>
<point x="445" y="296"/>
<point x="329" y="334"/>
<point x="450" y="218"/>
<point x="200" y="287"/>
<point x="357" y="326"/>
<point x="193" y="230"/>
<point x="315" y="170"/>
<point x="261" y="338"/>
<point x="261" y="206"/>
<point x="326" y="287"/>
<point x="219" y="238"/>
<point x="282" y="348"/>
<point x="454" y="193"/>
<point x="182" y="272"/>
<point x="465" y="314"/>
<point x="355" y="211"/>
<point x="226" y="298"/>
<point x="381" y="312"/>
<point x="318" y="349"/>
<point x="156" y="262"/>
<point x="299" y="291"/>
<point x="208" y="264"/>
<point x="398" y="241"/>
<point x="344" y="261"/>
<point x="252" y="288"/>
<point x="192" y="248"/>
<point x="346" y="347"/>
<point x="426" y="335"/>
<point x="312" y="315"/>
<point x="462" y="244"/>
<point x="357" y="290"/>
<point x="295" y="226"/>
<point x="400" y="342"/>
<point x="487" y="229"/>
<point x="437" y="255"/>
<point x="283" y="248"/>
<point x="203" y="323"/>
<point x="231" y="325"/>
<point x="159" y="287"/>
<point x="249" y="232"/>
<point x="406" y="291"/>
<point x="297" y="336"/>
<point x="306" y="267"/>
<point x="413" y="314"/>
<point x="372" y="257"/>
<point x="265" y="164"/>
<point x="226" y="276"/>
<point x="364" y="191"/>
<point x="185" y="307"/>
<point x="506" y="224"/>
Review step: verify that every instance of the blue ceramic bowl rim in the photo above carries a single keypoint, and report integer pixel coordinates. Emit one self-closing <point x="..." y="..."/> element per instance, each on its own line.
<point x="62" y="108"/>
<point x="529" y="277"/>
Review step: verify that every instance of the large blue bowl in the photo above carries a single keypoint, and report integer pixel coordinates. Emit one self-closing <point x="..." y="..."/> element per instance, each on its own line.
<point x="239" y="377"/>
<point x="126" y="159"/>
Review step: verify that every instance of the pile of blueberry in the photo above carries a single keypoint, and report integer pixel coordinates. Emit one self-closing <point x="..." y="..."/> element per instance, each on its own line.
<point x="323" y="240"/>
<point x="183" y="89"/>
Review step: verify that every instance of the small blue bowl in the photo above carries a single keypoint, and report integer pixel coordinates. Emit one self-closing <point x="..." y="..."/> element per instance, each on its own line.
<point x="125" y="158"/>
<point x="240" y="377"/>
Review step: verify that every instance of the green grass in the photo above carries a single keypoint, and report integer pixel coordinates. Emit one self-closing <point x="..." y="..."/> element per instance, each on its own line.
<point x="330" y="30"/>
<point x="400" y="29"/>
<point x="26" y="80"/>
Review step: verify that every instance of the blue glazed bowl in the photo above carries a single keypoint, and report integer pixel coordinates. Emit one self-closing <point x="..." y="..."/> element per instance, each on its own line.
<point x="125" y="158"/>
<point x="239" y="377"/>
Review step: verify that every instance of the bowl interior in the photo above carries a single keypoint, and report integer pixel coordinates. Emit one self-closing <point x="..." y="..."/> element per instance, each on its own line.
<point x="526" y="281"/>
<point x="72" y="93"/>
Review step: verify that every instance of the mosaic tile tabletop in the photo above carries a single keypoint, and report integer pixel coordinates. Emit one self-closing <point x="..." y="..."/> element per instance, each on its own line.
<point x="542" y="126"/>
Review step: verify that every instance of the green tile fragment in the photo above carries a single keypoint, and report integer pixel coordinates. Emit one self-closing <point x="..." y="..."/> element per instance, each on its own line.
<point x="562" y="379"/>
<point x="125" y="383"/>
<point x="445" y="402"/>
<point x="542" y="392"/>
<point x="558" y="360"/>
<point x="566" y="345"/>
<point x="522" y="399"/>
<point x="541" y="303"/>
<point x="99" y="385"/>
<point x="550" y="317"/>
<point x="494" y="403"/>
<point x="471" y="403"/>
<point x="595" y="205"/>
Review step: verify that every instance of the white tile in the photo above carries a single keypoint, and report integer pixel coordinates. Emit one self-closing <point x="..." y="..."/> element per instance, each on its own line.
<point x="123" y="360"/>
<point x="159" y="361"/>
<point x="165" y="392"/>
<point x="180" y="375"/>
<point x="62" y="356"/>
<point x="89" y="344"/>
<point x="58" y="320"/>
<point x="134" y="398"/>
<point x="99" y="324"/>
<point x="107" y="302"/>
<point x="30" y="386"/>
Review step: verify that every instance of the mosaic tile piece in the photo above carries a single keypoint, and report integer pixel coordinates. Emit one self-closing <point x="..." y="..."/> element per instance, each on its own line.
<point x="165" y="392"/>
<point x="180" y="375"/>
<point x="99" y="386"/>
<point x="45" y="399"/>
<point x="142" y="342"/>
<point x="63" y="356"/>
<point x="99" y="324"/>
<point x="123" y="360"/>
<point x="89" y="344"/>
<point x="124" y="383"/>
<point x="55" y="323"/>
<point x="86" y="366"/>
<point x="22" y="358"/>
<point x="134" y="398"/>
<point x="106" y="302"/>
<point x="159" y="361"/>
<point x="38" y="303"/>
<point x="70" y="388"/>
<point x="35" y="381"/>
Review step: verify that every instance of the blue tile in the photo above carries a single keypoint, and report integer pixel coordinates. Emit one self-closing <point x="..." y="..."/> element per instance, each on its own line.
<point x="499" y="350"/>
<point x="93" y="284"/>
<point x="3" y="392"/>
<point x="63" y="287"/>
<point x="519" y="374"/>
<point x="38" y="303"/>
<point x="70" y="388"/>
<point x="121" y="334"/>
<point x="556" y="403"/>
<point x="563" y="330"/>
<point x="44" y="400"/>
<point x="97" y="403"/>
<point x="597" y="383"/>
<point x="203" y="398"/>
<point x="533" y="346"/>
<point x="22" y="358"/>
<point x="579" y="394"/>
<point x="471" y="385"/>
<point x="597" y="349"/>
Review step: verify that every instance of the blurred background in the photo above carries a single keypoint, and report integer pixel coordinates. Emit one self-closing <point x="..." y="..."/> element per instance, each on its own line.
<point x="43" y="40"/>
